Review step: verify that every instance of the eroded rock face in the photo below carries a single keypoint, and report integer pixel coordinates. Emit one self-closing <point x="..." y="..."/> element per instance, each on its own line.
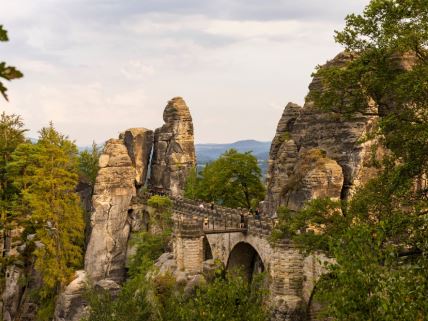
<point x="113" y="191"/>
<point x="71" y="305"/>
<point x="314" y="176"/>
<point x="174" y="149"/>
<point x="336" y="137"/>
<point x="12" y="292"/>
<point x="139" y="142"/>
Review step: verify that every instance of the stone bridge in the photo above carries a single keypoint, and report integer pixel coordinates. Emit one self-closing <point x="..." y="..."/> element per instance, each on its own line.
<point x="219" y="233"/>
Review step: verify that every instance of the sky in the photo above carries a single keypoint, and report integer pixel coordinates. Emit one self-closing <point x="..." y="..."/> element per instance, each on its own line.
<point x="98" y="67"/>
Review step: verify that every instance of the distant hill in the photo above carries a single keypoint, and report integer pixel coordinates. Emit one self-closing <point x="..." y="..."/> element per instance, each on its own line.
<point x="208" y="152"/>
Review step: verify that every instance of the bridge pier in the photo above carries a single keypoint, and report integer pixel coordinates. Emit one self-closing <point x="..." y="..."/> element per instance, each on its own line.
<point x="286" y="272"/>
<point x="188" y="245"/>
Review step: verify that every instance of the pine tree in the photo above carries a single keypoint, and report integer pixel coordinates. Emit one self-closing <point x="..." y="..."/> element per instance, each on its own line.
<point x="47" y="174"/>
<point x="11" y="135"/>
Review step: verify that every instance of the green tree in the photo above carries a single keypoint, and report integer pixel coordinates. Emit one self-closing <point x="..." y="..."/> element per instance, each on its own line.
<point x="7" y="72"/>
<point x="233" y="180"/>
<point x="228" y="298"/>
<point x="379" y="238"/>
<point x="162" y="218"/>
<point x="46" y="174"/>
<point x="130" y="304"/>
<point x="11" y="135"/>
<point x="88" y="164"/>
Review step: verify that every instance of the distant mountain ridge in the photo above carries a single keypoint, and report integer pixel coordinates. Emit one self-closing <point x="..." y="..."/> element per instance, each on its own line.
<point x="208" y="152"/>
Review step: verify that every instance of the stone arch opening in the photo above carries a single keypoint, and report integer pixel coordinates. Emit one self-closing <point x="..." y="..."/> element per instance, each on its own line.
<point x="207" y="252"/>
<point x="245" y="257"/>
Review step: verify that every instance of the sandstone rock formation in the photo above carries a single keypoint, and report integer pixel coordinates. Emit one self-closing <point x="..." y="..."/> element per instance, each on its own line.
<point x="139" y="142"/>
<point x="314" y="176"/>
<point x="113" y="191"/>
<point x="124" y="166"/>
<point x="338" y="142"/>
<point x="12" y="293"/>
<point x="174" y="150"/>
<point x="70" y="305"/>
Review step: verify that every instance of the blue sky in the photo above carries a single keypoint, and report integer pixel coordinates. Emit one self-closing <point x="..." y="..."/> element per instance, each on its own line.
<point x="97" y="67"/>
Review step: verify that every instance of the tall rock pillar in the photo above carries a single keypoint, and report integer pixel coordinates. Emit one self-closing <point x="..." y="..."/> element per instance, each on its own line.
<point x="174" y="149"/>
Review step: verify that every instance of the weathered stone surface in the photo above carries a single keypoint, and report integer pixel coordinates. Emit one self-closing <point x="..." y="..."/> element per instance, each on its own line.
<point x="139" y="142"/>
<point x="314" y="176"/>
<point x="106" y="253"/>
<point x="308" y="128"/>
<point x="174" y="149"/>
<point x="12" y="292"/>
<point x="71" y="305"/>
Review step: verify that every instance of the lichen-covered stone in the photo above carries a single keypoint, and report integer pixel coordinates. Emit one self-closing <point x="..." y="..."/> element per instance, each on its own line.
<point x="174" y="149"/>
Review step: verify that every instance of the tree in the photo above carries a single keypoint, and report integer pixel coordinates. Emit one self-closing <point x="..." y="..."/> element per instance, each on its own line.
<point x="7" y="72"/>
<point x="226" y="298"/>
<point x="379" y="238"/>
<point x="11" y="135"/>
<point x="162" y="219"/>
<point x="46" y="174"/>
<point x="233" y="180"/>
<point x="88" y="164"/>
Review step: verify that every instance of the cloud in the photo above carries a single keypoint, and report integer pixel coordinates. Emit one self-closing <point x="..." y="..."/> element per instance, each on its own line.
<point x="96" y="67"/>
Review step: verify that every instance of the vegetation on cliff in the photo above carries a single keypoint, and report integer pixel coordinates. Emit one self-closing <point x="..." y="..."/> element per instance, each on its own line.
<point x="41" y="215"/>
<point x="46" y="175"/>
<point x="233" y="180"/>
<point x="379" y="237"/>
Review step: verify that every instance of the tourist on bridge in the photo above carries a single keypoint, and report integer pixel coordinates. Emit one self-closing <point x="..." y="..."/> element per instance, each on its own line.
<point x="242" y="222"/>
<point x="257" y="214"/>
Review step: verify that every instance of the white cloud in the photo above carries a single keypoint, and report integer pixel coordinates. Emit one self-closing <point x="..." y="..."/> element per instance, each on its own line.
<point x="96" y="67"/>
<point x="137" y="70"/>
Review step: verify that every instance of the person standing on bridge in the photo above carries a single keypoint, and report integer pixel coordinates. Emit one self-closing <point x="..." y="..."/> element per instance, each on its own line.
<point x="242" y="222"/>
<point x="257" y="214"/>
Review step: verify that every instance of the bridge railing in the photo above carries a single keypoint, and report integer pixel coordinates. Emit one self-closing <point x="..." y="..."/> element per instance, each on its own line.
<point x="220" y="217"/>
<point x="217" y="217"/>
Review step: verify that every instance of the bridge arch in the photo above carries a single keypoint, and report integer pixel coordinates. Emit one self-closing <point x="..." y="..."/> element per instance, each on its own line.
<point x="206" y="249"/>
<point x="245" y="257"/>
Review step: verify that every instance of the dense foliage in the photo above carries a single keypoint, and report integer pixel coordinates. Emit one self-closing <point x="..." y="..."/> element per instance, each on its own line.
<point x="11" y="136"/>
<point x="226" y="298"/>
<point x="233" y="180"/>
<point x="379" y="239"/>
<point x="6" y="72"/>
